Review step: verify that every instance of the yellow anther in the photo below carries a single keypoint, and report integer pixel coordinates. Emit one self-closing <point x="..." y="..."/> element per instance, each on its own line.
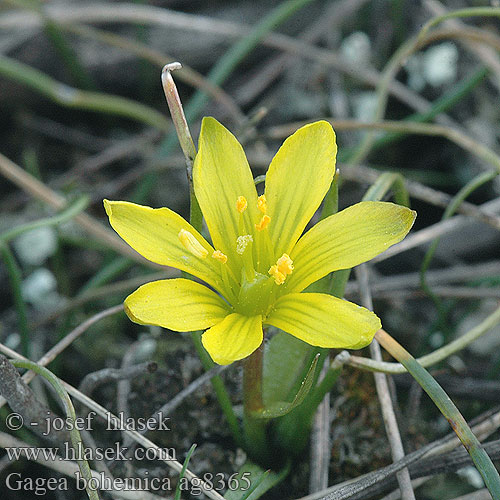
<point x="262" y="203"/>
<point x="242" y="243"/>
<point x="218" y="255"/>
<point x="191" y="244"/>
<point x="279" y="277"/>
<point x="264" y="222"/>
<point x="285" y="264"/>
<point x="241" y="204"/>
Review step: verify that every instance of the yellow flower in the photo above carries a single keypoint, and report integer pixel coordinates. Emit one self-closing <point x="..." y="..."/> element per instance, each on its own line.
<point x="258" y="264"/>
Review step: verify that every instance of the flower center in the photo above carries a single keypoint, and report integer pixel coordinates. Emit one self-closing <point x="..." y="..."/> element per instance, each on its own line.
<point x="258" y="291"/>
<point x="255" y="296"/>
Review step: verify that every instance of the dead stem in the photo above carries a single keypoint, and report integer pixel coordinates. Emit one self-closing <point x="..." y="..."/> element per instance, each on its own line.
<point x="435" y="230"/>
<point x="147" y="14"/>
<point x="454" y="135"/>
<point x="178" y="116"/>
<point x="381" y="383"/>
<point x="35" y="188"/>
<point x="65" y="342"/>
<point x="67" y="467"/>
<point x="136" y="436"/>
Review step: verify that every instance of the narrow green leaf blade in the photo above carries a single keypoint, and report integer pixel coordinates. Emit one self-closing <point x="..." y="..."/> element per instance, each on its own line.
<point x="280" y="408"/>
<point x="252" y="481"/>
<point x="284" y="366"/>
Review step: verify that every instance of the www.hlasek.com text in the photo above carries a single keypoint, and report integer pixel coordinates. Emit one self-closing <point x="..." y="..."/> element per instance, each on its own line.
<point x="80" y="452"/>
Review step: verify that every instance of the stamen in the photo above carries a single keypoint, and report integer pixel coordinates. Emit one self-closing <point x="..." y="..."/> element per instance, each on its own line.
<point x="218" y="255"/>
<point x="262" y="203"/>
<point x="264" y="222"/>
<point x="283" y="267"/>
<point x="242" y="243"/>
<point x="285" y="264"/>
<point x="191" y="244"/>
<point x="279" y="277"/>
<point x="241" y="204"/>
<point x="229" y="291"/>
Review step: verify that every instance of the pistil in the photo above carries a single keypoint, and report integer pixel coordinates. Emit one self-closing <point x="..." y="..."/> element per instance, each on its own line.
<point x="244" y="248"/>
<point x="264" y="241"/>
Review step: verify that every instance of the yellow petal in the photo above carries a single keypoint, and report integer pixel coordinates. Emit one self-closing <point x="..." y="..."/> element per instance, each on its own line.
<point x="324" y="321"/>
<point x="346" y="239"/>
<point x="297" y="180"/>
<point x="221" y="176"/>
<point x="154" y="233"/>
<point x="235" y="337"/>
<point x="177" y="304"/>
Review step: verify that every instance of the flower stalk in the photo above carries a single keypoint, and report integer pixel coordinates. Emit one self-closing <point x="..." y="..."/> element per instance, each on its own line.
<point x="252" y="381"/>
<point x="254" y="428"/>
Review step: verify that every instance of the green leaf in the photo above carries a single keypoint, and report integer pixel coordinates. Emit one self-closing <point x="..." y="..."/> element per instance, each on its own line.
<point x="385" y="182"/>
<point x="280" y="408"/>
<point x="251" y="481"/>
<point x="183" y="471"/>
<point x="284" y="367"/>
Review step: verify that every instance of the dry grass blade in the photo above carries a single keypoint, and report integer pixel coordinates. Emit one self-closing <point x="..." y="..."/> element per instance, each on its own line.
<point x="386" y="405"/>
<point x="108" y="416"/>
<point x="34" y="187"/>
<point x="70" y="468"/>
<point x="65" y="342"/>
<point x="99" y="13"/>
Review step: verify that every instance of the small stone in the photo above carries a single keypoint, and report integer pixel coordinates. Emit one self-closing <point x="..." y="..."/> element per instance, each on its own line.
<point x="36" y="246"/>
<point x="436" y="340"/>
<point x="145" y="349"/>
<point x="13" y="341"/>
<point x="356" y="48"/>
<point x="482" y="131"/>
<point x="440" y="64"/>
<point x="364" y="106"/>
<point x="40" y="289"/>
<point x="472" y="476"/>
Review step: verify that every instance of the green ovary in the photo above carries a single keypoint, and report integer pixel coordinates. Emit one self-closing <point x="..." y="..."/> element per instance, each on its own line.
<point x="256" y="295"/>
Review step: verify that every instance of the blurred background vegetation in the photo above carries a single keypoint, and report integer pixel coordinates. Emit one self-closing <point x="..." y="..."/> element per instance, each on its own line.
<point x="83" y="117"/>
